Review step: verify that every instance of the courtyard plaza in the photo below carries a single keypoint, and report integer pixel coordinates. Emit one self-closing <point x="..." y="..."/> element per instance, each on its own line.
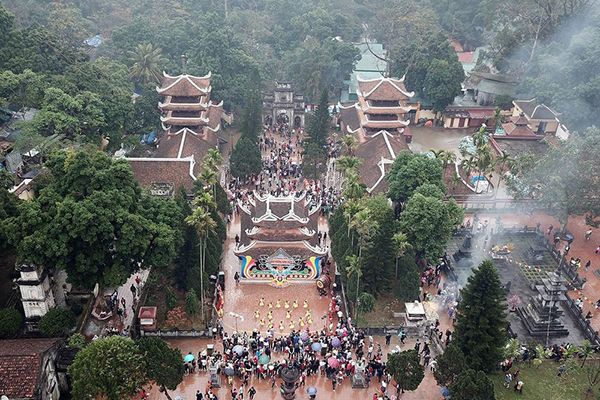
<point x="580" y="248"/>
<point x="192" y="382"/>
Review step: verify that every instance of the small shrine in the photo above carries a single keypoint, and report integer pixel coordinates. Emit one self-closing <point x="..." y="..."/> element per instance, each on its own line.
<point x="543" y="315"/>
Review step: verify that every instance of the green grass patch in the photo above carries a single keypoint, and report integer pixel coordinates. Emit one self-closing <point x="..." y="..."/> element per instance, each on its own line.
<point x="542" y="383"/>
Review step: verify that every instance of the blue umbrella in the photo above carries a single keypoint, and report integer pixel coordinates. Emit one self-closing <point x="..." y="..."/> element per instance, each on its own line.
<point x="335" y="342"/>
<point x="188" y="358"/>
<point x="316" y="346"/>
<point x="264" y="359"/>
<point x="238" y="349"/>
<point x="311" y="390"/>
<point x="445" y="392"/>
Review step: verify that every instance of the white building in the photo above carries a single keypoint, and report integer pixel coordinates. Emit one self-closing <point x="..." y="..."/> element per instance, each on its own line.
<point x="36" y="292"/>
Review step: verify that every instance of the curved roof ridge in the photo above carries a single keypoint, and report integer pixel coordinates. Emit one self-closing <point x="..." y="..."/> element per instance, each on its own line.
<point x="207" y="76"/>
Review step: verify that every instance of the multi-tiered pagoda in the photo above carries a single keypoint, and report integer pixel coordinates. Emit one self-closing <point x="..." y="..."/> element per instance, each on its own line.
<point x="187" y="105"/>
<point x="279" y="240"/>
<point x="190" y="122"/>
<point x="379" y="120"/>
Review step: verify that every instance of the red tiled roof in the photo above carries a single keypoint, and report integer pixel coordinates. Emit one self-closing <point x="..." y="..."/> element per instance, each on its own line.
<point x="517" y="131"/>
<point x="485" y="113"/>
<point x="184" y="85"/>
<point x="519" y="120"/>
<point x="214" y="115"/>
<point x="196" y="145"/>
<point x="371" y="152"/>
<point x="349" y="117"/>
<point x="384" y="89"/>
<point x="20" y="366"/>
<point x="148" y="171"/>
<point x="465" y="57"/>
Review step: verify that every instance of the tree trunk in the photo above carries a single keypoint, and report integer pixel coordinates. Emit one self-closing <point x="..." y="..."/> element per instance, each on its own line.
<point x="396" y="267"/>
<point x="202" y="277"/>
<point x="164" y="389"/>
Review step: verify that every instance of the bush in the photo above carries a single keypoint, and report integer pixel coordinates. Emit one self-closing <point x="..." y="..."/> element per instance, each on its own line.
<point x="407" y="286"/>
<point x="191" y="303"/>
<point x="10" y="322"/>
<point x="57" y="322"/>
<point x="77" y="341"/>
<point x="170" y="298"/>
<point x="366" y="302"/>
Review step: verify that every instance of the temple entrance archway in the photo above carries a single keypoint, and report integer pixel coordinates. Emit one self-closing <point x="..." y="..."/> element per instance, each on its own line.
<point x="297" y="122"/>
<point x="282" y="118"/>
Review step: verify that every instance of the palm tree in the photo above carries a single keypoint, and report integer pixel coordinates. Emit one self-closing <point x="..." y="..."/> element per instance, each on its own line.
<point x="455" y="179"/>
<point x="349" y="144"/>
<point x="204" y="224"/>
<point x="468" y="164"/>
<point x="354" y="268"/>
<point x="213" y="159"/>
<point x="585" y="350"/>
<point x="351" y="207"/>
<point x="147" y="63"/>
<point x="363" y="223"/>
<point x="448" y="158"/>
<point x="503" y="159"/>
<point x="209" y="178"/>
<point x="352" y="187"/>
<point x="498" y="118"/>
<point x="401" y="245"/>
<point x="205" y="201"/>
<point x="484" y="161"/>
<point x="437" y="153"/>
<point x="347" y="164"/>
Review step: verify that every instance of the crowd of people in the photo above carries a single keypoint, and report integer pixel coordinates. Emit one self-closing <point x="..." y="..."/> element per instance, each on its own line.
<point x="336" y="355"/>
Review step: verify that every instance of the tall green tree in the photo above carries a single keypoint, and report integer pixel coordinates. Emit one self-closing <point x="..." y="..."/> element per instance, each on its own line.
<point x="406" y="369"/>
<point x="57" y="322"/>
<point x="481" y="319"/>
<point x="472" y="385"/>
<point x="245" y="158"/>
<point x="409" y="171"/>
<point x="100" y="226"/>
<point x="204" y="224"/>
<point x="319" y="121"/>
<point x="443" y="83"/>
<point x="428" y="223"/>
<point x="112" y="367"/>
<point x="449" y="365"/>
<point x="164" y="365"/>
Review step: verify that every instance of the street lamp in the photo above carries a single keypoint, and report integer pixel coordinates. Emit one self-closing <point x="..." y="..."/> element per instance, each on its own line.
<point x="236" y="317"/>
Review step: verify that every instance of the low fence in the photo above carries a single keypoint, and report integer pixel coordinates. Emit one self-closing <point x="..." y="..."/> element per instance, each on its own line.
<point x="176" y="333"/>
<point x="472" y="203"/>
<point x="583" y="323"/>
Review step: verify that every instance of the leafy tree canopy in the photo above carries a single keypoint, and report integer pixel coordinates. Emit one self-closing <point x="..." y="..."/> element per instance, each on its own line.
<point x="92" y="220"/>
<point x="163" y="364"/>
<point x="409" y="171"/>
<point x="406" y="369"/>
<point x="112" y="367"/>
<point x="11" y="321"/>
<point x="472" y="385"/>
<point x="428" y="222"/>
<point x="57" y="322"/>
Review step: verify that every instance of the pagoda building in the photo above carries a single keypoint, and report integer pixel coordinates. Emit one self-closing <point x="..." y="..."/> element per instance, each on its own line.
<point x="190" y="122"/>
<point x="279" y="240"/>
<point x="379" y="120"/>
